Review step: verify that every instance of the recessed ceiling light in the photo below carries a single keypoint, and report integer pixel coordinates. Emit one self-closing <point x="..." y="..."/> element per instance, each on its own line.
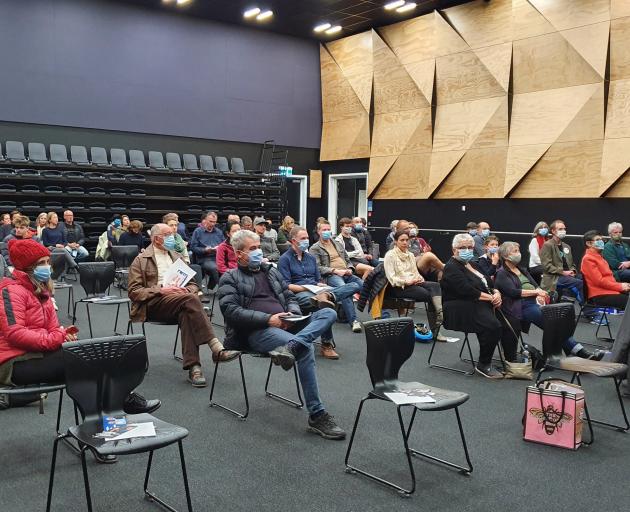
<point x="393" y="5"/>
<point x="183" y="2"/>
<point x="407" y="7"/>
<point x="334" y="30"/>
<point x="250" y="13"/>
<point x="322" y="27"/>
<point x="264" y="15"/>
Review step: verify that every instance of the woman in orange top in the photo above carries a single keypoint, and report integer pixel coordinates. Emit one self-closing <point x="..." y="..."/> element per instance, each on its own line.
<point x="602" y="288"/>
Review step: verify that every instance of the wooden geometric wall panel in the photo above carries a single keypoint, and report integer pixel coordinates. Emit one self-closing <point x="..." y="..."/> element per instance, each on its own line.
<point x="620" y="49"/>
<point x="408" y="131"/>
<point x="481" y="24"/>
<point x="447" y="41"/>
<point x="618" y="119"/>
<point x="412" y="40"/>
<point x="588" y="123"/>
<point x="619" y="8"/>
<point x="615" y="163"/>
<point x="520" y="160"/>
<point x="423" y="75"/>
<point x="563" y="14"/>
<point x="442" y="163"/>
<point x="498" y="60"/>
<point x="379" y="167"/>
<point x="339" y="99"/>
<point x="527" y="21"/>
<point x="495" y="132"/>
<point x="591" y="42"/>
<point x="407" y="178"/>
<point x="346" y="139"/>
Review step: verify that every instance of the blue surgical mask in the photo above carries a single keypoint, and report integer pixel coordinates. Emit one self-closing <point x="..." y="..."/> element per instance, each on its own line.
<point x="358" y="227"/>
<point x="465" y="254"/>
<point x="543" y="231"/>
<point x="117" y="223"/>
<point x="485" y="232"/>
<point x="598" y="244"/>
<point x="169" y="242"/>
<point x="493" y="250"/>
<point x="326" y="235"/>
<point x="303" y="245"/>
<point x="413" y="232"/>
<point x="255" y="259"/>
<point x="42" y="273"/>
<point x="472" y="232"/>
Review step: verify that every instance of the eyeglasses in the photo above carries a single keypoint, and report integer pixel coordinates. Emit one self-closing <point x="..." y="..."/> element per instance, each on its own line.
<point x="465" y="247"/>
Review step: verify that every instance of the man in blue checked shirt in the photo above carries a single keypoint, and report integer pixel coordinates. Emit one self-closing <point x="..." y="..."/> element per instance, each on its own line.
<point x="204" y="243"/>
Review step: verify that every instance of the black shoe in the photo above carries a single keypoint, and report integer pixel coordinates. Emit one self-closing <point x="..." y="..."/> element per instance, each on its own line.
<point x="137" y="404"/>
<point x="105" y="459"/>
<point x="325" y="426"/>
<point x="593" y="356"/>
<point x="283" y="357"/>
<point x="489" y="372"/>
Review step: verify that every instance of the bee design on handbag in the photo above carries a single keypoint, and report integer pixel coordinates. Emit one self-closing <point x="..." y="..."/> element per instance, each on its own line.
<point x="550" y="418"/>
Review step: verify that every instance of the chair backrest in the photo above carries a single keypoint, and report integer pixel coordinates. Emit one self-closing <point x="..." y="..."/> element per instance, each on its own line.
<point x="198" y="274"/>
<point x="389" y="344"/>
<point x="59" y="263"/>
<point x="96" y="277"/>
<point x="222" y="164"/>
<point x="156" y="159"/>
<point x="190" y="162"/>
<point x="206" y="162"/>
<point x="119" y="157"/>
<point x="101" y="372"/>
<point x="58" y="153"/>
<point x="136" y="159"/>
<point x="15" y="150"/>
<point x="99" y="155"/>
<point x="78" y="154"/>
<point x="37" y="152"/>
<point x="173" y="161"/>
<point x="238" y="165"/>
<point x="123" y="255"/>
<point x="559" y="324"/>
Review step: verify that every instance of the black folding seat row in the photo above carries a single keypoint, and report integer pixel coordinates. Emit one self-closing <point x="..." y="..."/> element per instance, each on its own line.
<point x="7" y="188"/>
<point x="117" y="192"/>
<point x="76" y="206"/>
<point x="137" y="192"/>
<point x="75" y="190"/>
<point x="96" y="191"/>
<point x="137" y="207"/>
<point x="53" y="189"/>
<point x="74" y="175"/>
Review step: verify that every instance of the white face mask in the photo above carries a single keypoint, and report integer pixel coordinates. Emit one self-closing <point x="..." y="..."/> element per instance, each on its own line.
<point x="561" y="233"/>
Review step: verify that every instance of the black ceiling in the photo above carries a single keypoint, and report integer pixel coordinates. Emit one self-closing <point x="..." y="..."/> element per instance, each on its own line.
<point x="298" y="17"/>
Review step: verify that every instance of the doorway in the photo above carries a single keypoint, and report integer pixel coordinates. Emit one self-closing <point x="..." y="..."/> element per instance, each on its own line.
<point x="347" y="196"/>
<point x="296" y="199"/>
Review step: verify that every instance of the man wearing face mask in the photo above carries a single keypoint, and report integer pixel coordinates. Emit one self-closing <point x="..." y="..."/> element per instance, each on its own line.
<point x="483" y="232"/>
<point x="114" y="230"/>
<point x="205" y="240"/>
<point x="153" y="302"/>
<point x="335" y="266"/>
<point x="353" y="248"/>
<point x="360" y="232"/>
<point x="489" y="261"/>
<point x="255" y="303"/>
<point x="617" y="253"/>
<point x="471" y="229"/>
<point x="267" y="243"/>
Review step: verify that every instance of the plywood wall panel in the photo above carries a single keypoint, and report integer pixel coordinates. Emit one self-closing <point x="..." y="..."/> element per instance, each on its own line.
<point x="379" y="167"/>
<point x="615" y="164"/>
<point x="498" y="60"/>
<point x="406" y="179"/>
<point x="527" y="21"/>
<point x="618" y="120"/>
<point x="353" y="54"/>
<point x="588" y="123"/>
<point x="591" y="42"/>
<point x="619" y="8"/>
<point x="346" y="139"/>
<point x="399" y="132"/>
<point x="564" y="14"/>
<point x="482" y="23"/>
<point x="620" y="49"/>
<point x="412" y="40"/>
<point x="339" y="100"/>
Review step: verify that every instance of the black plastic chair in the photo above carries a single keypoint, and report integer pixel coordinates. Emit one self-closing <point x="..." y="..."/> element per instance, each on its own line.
<point x="123" y="256"/>
<point x="603" y="319"/>
<point x="59" y="264"/>
<point x="100" y="373"/>
<point x="95" y="279"/>
<point x="389" y="344"/>
<point x="190" y="162"/>
<point x="99" y="157"/>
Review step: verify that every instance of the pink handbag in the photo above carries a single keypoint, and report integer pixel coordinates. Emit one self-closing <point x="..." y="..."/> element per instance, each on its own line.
<point x="553" y="414"/>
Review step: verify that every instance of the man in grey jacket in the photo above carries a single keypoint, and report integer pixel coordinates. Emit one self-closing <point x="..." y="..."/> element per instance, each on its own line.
<point x="267" y="243"/>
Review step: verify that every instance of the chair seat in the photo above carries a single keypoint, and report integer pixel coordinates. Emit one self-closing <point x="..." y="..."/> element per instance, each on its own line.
<point x="165" y="434"/>
<point x="597" y="368"/>
<point x="32" y="388"/>
<point x="115" y="300"/>
<point x="444" y="398"/>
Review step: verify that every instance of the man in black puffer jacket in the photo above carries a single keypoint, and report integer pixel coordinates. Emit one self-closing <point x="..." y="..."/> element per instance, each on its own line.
<point x="255" y="304"/>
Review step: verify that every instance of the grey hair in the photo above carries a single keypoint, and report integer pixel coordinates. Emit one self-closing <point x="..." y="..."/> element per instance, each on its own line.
<point x="461" y="237"/>
<point x="538" y="226"/>
<point x="614" y="225"/>
<point x="238" y="239"/>
<point x="393" y="224"/>
<point x="157" y="228"/>
<point x="506" y="248"/>
<point x="295" y="230"/>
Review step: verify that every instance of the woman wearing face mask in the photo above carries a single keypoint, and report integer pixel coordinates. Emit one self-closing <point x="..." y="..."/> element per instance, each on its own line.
<point x="133" y="235"/>
<point x="181" y="247"/>
<point x="539" y="237"/>
<point x="226" y="257"/>
<point x="522" y="300"/>
<point x="489" y="261"/>
<point x="469" y="302"/>
<point x="601" y="286"/>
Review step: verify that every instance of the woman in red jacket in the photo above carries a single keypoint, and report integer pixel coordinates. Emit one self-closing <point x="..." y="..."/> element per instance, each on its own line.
<point x="601" y="286"/>
<point x="226" y="257"/>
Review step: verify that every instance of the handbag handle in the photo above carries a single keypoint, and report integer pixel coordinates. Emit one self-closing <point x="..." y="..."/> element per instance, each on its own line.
<point x="542" y="407"/>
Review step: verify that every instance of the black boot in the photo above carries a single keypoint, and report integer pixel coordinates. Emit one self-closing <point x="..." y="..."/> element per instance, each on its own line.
<point x="137" y="404"/>
<point x="593" y="356"/>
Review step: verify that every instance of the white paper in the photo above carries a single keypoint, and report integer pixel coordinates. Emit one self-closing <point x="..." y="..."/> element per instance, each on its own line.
<point x="178" y="274"/>
<point x="295" y="318"/>
<point x="104" y="298"/>
<point x="313" y="288"/>
<point x="138" y="430"/>
<point x="411" y="396"/>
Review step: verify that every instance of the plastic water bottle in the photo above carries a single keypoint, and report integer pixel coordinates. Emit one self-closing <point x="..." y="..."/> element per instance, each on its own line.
<point x="526" y="356"/>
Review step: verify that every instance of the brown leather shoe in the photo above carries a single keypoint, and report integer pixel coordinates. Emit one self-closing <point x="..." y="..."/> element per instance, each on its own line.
<point x="323" y="300"/>
<point x="328" y="351"/>
<point x="224" y="356"/>
<point x="196" y="378"/>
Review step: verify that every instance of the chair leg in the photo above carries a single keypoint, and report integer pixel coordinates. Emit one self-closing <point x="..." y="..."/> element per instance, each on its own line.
<point x="618" y="428"/>
<point x="87" y="307"/>
<point x="466" y="343"/>
<point x="86" y="479"/>
<point x="185" y="476"/>
<point x="175" y="356"/>
<point x="239" y="415"/>
<point x="152" y="497"/>
<point x="116" y="321"/>
<point x="53" y="464"/>
<point x="604" y="318"/>
<point x="299" y="404"/>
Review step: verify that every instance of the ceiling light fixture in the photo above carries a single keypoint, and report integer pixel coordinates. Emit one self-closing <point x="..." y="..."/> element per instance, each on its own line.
<point x="183" y="2"/>
<point x="264" y="15"/>
<point x="322" y="27"/>
<point x="393" y="5"/>
<point x="250" y="13"/>
<point x="407" y="7"/>
<point x="333" y="30"/>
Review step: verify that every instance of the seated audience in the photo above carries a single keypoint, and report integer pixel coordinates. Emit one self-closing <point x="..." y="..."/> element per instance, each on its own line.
<point x="75" y="237"/>
<point x="617" y="253"/>
<point x="151" y="301"/>
<point x="483" y="231"/>
<point x="270" y="232"/>
<point x="125" y="222"/>
<point x="471" y="229"/>
<point x="539" y="237"/>
<point x="267" y="244"/>
<point x="393" y="227"/>
<point x="254" y="300"/>
<point x="361" y="233"/>
<point x="54" y="234"/>
<point x="469" y="302"/>
<point x="181" y="246"/>
<point x="601" y="286"/>
<point x="21" y="231"/>
<point x="284" y="231"/>
<point x="226" y="257"/>
<point x="489" y="260"/>
<point x="233" y="217"/>
<point x="315" y="233"/>
<point x="406" y="282"/>
<point x="353" y="248"/>
<point x="337" y="269"/>
<point x="114" y="230"/>
<point x="41" y="223"/>
<point x="205" y="240"/>
<point x="134" y="236"/>
<point x="5" y="225"/>
<point x="247" y="223"/>
<point x="427" y="262"/>
<point x="522" y="300"/>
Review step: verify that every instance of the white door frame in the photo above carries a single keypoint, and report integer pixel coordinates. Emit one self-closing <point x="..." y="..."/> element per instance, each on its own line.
<point x="303" y="198"/>
<point x="333" y="191"/>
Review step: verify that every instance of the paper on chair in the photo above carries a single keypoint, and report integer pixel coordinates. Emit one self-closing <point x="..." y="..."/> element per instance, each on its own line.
<point x="137" y="430"/>
<point x="411" y="396"/>
<point x="178" y="274"/>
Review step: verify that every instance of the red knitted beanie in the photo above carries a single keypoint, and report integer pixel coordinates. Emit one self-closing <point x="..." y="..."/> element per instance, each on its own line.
<point x="24" y="253"/>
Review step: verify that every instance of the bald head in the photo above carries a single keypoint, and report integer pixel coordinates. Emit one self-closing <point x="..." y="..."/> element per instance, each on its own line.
<point x="158" y="233"/>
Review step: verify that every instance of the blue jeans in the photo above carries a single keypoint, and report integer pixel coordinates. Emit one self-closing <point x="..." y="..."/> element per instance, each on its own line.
<point x="531" y="313"/>
<point x="624" y="275"/>
<point x="265" y="340"/>
<point x="304" y="300"/>
<point x="347" y="286"/>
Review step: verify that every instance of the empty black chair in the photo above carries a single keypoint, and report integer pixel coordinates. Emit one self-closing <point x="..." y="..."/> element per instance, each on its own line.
<point x="74" y="205"/>
<point x="37" y="153"/>
<point x="229" y="197"/>
<point x="228" y="210"/>
<point x="137" y="160"/>
<point x="246" y="184"/>
<point x="96" y="191"/>
<point x="194" y="208"/>
<point x="119" y="158"/>
<point x="117" y="192"/>
<point x="100" y="374"/>
<point x="98" y="221"/>
<point x="59" y="266"/>
<point x="192" y="181"/>
<point x="195" y="195"/>
<point x="212" y="195"/>
<point x="156" y="160"/>
<point x="222" y="164"/>
<point x="173" y="161"/>
<point x="78" y="155"/>
<point x="97" y="206"/>
<point x="137" y="207"/>
<point x="137" y="192"/>
<point x="122" y="256"/>
<point x="116" y="177"/>
<point x="75" y="190"/>
<point x="30" y="189"/>
<point x="7" y="188"/>
<point x="95" y="176"/>
<point x="238" y="166"/>
<point x="190" y="162"/>
<point x="53" y="205"/>
<point x="99" y="157"/>
<point x="389" y="344"/>
<point x="206" y="163"/>
<point x="1" y="154"/>
<point x="53" y="189"/>
<point x="59" y="154"/>
<point x="95" y="279"/>
<point x="31" y="205"/>
<point x="7" y="172"/>
<point x="73" y="175"/>
<point x="15" y="151"/>
<point x="135" y="177"/>
<point x="244" y="197"/>
<point x="121" y="207"/>
<point x="51" y="174"/>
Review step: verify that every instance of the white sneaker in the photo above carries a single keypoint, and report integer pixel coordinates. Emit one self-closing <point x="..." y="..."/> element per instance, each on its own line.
<point x="356" y="326"/>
